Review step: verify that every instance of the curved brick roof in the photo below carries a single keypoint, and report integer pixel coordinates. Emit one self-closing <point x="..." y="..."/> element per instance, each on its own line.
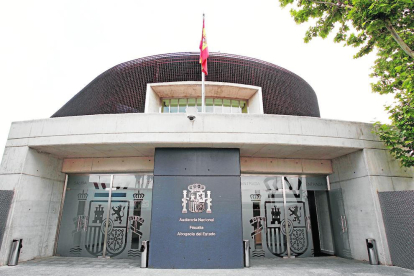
<point x="121" y="89"/>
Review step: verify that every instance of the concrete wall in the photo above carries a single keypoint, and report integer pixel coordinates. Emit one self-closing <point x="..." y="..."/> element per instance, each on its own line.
<point x="256" y="103"/>
<point x="361" y="175"/>
<point x="152" y="101"/>
<point x="38" y="185"/>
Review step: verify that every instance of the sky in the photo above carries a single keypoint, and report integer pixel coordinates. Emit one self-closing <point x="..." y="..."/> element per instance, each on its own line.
<point x="50" y="50"/>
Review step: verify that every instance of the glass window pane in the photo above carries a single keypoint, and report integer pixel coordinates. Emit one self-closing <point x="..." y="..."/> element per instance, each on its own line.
<point x="235" y="110"/>
<point x="191" y="102"/>
<point x="209" y="105"/>
<point x="235" y="106"/>
<point x="86" y="207"/>
<point x="199" y="104"/>
<point x="212" y="105"/>
<point x="133" y="195"/>
<point x="265" y="214"/>
<point x="297" y="206"/>
<point x="183" y="105"/>
<point x="165" y="106"/>
<point x="218" y="105"/>
<point x="235" y="103"/>
<point x="262" y="205"/>
<point x="173" y="105"/>
<point x="218" y="102"/>
<point x="226" y="106"/>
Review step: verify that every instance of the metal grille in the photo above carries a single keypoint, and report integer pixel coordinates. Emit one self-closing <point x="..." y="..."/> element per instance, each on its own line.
<point x="398" y="213"/>
<point x="122" y="88"/>
<point x="5" y="203"/>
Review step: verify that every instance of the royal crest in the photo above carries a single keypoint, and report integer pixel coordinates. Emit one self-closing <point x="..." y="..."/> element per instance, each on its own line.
<point x="197" y="200"/>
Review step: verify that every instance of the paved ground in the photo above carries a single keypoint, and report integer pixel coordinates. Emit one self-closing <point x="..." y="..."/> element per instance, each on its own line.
<point x="60" y="266"/>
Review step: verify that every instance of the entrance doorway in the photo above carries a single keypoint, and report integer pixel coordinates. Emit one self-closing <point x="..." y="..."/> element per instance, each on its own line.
<point x="292" y="216"/>
<point x="105" y="215"/>
<point x="283" y="216"/>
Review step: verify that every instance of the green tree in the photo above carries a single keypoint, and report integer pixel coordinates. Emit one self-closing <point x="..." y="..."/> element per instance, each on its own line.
<point x="388" y="26"/>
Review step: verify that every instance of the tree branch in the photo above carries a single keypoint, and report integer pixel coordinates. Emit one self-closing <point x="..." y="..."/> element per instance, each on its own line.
<point x="332" y="4"/>
<point x="398" y="39"/>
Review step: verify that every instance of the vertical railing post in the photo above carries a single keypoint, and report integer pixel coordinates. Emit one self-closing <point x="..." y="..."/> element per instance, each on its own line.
<point x="144" y="254"/>
<point x="107" y="216"/>
<point x="286" y="217"/>
<point x="246" y="246"/>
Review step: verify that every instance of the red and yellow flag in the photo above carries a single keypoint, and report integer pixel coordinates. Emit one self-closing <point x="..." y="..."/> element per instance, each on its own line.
<point x="203" y="50"/>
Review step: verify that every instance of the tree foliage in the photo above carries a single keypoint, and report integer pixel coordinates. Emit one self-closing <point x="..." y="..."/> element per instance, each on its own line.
<point x="388" y="26"/>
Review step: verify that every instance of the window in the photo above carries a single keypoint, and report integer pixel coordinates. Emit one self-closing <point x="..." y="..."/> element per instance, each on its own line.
<point x="213" y="105"/>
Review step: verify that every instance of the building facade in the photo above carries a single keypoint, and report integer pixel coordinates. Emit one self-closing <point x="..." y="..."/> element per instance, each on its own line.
<point x="121" y="162"/>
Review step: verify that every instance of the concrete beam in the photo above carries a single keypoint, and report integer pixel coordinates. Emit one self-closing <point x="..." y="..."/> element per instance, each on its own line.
<point x="189" y="89"/>
<point x="116" y="165"/>
<point x="274" y="165"/>
<point x="137" y="135"/>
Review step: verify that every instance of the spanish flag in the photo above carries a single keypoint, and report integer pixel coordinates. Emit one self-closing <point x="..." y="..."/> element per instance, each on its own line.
<point x="203" y="50"/>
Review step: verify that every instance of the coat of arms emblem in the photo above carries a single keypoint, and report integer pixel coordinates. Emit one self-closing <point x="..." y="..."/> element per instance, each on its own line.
<point x="117" y="227"/>
<point x="197" y="200"/>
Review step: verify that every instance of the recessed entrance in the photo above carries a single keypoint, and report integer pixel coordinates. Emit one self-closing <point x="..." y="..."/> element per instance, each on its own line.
<point x="293" y="217"/>
<point x="109" y="215"/>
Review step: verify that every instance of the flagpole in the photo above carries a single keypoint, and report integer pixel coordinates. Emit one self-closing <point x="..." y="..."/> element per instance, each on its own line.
<point x="203" y="87"/>
<point x="203" y="92"/>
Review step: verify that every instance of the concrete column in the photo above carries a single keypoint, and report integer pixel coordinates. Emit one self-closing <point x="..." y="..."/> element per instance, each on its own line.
<point x="361" y="175"/>
<point x="37" y="182"/>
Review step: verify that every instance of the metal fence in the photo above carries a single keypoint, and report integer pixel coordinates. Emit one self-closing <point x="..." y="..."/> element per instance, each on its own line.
<point x="5" y="204"/>
<point x="398" y="213"/>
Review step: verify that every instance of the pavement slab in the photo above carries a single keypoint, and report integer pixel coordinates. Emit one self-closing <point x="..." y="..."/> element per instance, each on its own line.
<point x="68" y="266"/>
